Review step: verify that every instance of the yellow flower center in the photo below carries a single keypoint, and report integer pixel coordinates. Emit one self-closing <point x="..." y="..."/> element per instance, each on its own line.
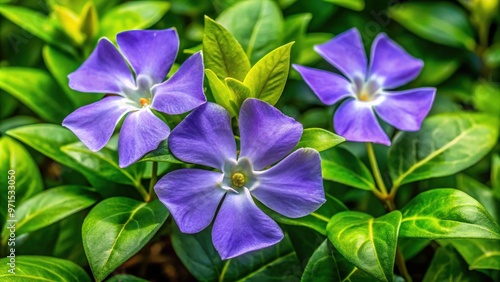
<point x="145" y="101"/>
<point x="238" y="179"/>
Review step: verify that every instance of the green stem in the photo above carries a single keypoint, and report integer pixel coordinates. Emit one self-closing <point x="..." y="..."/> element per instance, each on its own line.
<point x="154" y="179"/>
<point x="144" y="194"/>
<point x="375" y="169"/>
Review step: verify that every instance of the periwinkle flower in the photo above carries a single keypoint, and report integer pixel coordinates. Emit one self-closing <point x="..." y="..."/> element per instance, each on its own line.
<point x="366" y="89"/>
<point x="293" y="187"/>
<point x="150" y="54"/>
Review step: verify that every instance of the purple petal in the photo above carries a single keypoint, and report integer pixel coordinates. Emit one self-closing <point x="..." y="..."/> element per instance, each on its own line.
<point x="346" y="52"/>
<point x="192" y="197"/>
<point x="241" y="227"/>
<point x="356" y="121"/>
<point x="105" y="71"/>
<point x="94" y="124"/>
<point x="141" y="133"/>
<point x="204" y="137"/>
<point x="329" y="87"/>
<point x="391" y="65"/>
<point x="267" y="135"/>
<point x="151" y="53"/>
<point x="293" y="187"/>
<point x="184" y="90"/>
<point x="405" y="110"/>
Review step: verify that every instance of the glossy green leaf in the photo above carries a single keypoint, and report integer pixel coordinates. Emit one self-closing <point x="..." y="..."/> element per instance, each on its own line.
<point x="116" y="229"/>
<point x="41" y="268"/>
<point x="340" y="165"/>
<point x="368" y="243"/>
<point x="104" y="163"/>
<point x="132" y="15"/>
<point x="317" y="220"/>
<point x="447" y="213"/>
<point x="446" y="265"/>
<point x="445" y="144"/>
<point x="222" y="53"/>
<point x="255" y="24"/>
<point x="441" y="22"/>
<point x="53" y="108"/>
<point x="356" y="5"/>
<point x="196" y="251"/>
<point x="479" y="253"/>
<point x="16" y="121"/>
<point x="482" y="193"/>
<point x="161" y="154"/>
<point x="268" y="76"/>
<point x="319" y="139"/>
<point x="321" y="267"/>
<point x="51" y="206"/>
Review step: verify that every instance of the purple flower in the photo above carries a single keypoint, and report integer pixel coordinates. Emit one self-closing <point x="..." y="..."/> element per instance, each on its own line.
<point x="150" y="54"/>
<point x="366" y="89"/>
<point x="293" y="187"/>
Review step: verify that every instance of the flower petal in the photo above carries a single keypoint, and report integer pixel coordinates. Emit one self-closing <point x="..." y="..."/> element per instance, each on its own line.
<point x="391" y="65"/>
<point x="267" y="135"/>
<point x="184" y="90"/>
<point x="141" y="133"/>
<point x="204" y="137"/>
<point x="293" y="187"/>
<point x="151" y="53"/>
<point x="192" y="197"/>
<point x="94" y="123"/>
<point x="405" y="110"/>
<point x="241" y="227"/>
<point x="356" y="121"/>
<point x="329" y="87"/>
<point x="346" y="52"/>
<point x="105" y="71"/>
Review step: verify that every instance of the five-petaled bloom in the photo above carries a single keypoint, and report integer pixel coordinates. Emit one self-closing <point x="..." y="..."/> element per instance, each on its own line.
<point x="366" y="87"/>
<point x="150" y="54"/>
<point x="293" y="187"/>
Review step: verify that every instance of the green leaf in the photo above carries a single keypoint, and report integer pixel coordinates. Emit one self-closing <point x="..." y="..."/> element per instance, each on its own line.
<point x="492" y="56"/>
<point x="53" y="108"/>
<point x="483" y="194"/>
<point x="69" y="242"/>
<point x="319" y="267"/>
<point x="446" y="265"/>
<point x="441" y="22"/>
<point x="239" y="91"/>
<point x="356" y="5"/>
<point x="486" y="98"/>
<point x="296" y="27"/>
<point x="368" y="243"/>
<point x="268" y="76"/>
<point x="132" y="15"/>
<point x="255" y="24"/>
<point x="125" y="278"/>
<point x="196" y="251"/>
<point x="51" y="206"/>
<point x="410" y="247"/>
<point x="317" y="220"/>
<point x="222" y="95"/>
<point x="41" y="268"/>
<point x="222" y="53"/>
<point x="161" y="154"/>
<point x="60" y="65"/>
<point x="445" y="144"/>
<point x="478" y="253"/>
<point x="340" y="165"/>
<point x="104" y="163"/>
<point x="116" y="229"/>
<point x="319" y="139"/>
<point x="495" y="175"/>
<point x="8" y="106"/>
<point x="446" y="214"/>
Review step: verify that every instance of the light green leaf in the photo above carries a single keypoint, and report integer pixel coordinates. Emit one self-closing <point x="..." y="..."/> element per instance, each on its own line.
<point x="340" y="165"/>
<point x="104" y="163"/>
<point x="495" y="175"/>
<point x="161" y="154"/>
<point x="445" y="144"/>
<point x="255" y="24"/>
<point x="8" y="106"/>
<point x="116" y="229"/>
<point x="239" y="91"/>
<point x="446" y="214"/>
<point x="222" y="95"/>
<point x="307" y="55"/>
<point x="368" y="243"/>
<point x="132" y="15"/>
<point x="268" y="76"/>
<point x="222" y="53"/>
<point x="41" y="268"/>
<point x="296" y="27"/>
<point x="441" y="22"/>
<point x="356" y="5"/>
<point x="51" y="206"/>
<point x="54" y="107"/>
<point x="479" y="253"/>
<point x="319" y="139"/>
<point x="486" y="98"/>
<point x="492" y="56"/>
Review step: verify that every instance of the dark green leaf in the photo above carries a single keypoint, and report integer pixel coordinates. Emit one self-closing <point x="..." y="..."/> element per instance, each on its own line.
<point x="125" y="278"/>
<point x="342" y="166"/>
<point x="479" y="253"/>
<point x="319" y="139"/>
<point x="445" y="144"/>
<point x="321" y="266"/>
<point x="8" y="106"/>
<point x="116" y="229"/>
<point x="483" y="194"/>
<point x="447" y="213"/>
<point x="40" y="268"/>
<point x="161" y="154"/>
<point x="410" y="247"/>
<point x="356" y="5"/>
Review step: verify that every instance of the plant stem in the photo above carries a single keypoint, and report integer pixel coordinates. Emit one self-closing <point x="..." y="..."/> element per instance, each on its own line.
<point x="375" y="169"/>
<point x="144" y="194"/>
<point x="400" y="261"/>
<point x="154" y="179"/>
